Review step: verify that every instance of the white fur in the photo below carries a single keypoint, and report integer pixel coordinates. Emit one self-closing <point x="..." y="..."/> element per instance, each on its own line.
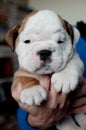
<point x="44" y="30"/>
<point x="33" y="96"/>
<point x="81" y="119"/>
<point x="67" y="79"/>
<point x="67" y="124"/>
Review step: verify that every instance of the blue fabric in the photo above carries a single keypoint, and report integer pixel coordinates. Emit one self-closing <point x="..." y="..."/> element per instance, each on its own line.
<point x="22" y="115"/>
<point x="81" y="49"/>
<point x="22" y="120"/>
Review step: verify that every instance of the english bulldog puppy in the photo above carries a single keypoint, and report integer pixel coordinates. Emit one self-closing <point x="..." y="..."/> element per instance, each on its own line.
<point x="45" y="44"/>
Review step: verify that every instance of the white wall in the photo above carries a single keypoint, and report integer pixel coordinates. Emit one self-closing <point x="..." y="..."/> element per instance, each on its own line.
<point x="71" y="10"/>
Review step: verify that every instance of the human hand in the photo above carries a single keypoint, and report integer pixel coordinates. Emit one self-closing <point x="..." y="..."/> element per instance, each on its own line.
<point x="51" y="110"/>
<point x="37" y="115"/>
<point x="78" y="100"/>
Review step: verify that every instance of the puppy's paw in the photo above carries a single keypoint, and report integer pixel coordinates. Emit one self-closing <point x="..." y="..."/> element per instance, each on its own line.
<point x="33" y="96"/>
<point x="64" y="82"/>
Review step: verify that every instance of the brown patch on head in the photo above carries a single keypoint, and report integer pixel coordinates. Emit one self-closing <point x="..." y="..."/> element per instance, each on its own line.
<point x="68" y="28"/>
<point x="25" y="20"/>
<point x="12" y="35"/>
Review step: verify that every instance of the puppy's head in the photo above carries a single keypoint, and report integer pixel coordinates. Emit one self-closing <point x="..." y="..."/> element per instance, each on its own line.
<point x="44" y="42"/>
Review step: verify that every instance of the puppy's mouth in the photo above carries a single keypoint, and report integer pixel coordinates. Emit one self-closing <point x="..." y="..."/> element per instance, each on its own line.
<point x="44" y="66"/>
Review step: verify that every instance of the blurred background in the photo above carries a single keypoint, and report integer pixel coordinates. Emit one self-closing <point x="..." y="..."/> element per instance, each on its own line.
<point x="11" y="13"/>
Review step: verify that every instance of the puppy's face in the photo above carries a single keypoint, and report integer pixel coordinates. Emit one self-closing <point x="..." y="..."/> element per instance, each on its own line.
<point x="43" y="44"/>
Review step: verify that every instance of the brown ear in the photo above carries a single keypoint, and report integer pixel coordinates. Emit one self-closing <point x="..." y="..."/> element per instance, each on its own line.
<point x="68" y="28"/>
<point x="11" y="36"/>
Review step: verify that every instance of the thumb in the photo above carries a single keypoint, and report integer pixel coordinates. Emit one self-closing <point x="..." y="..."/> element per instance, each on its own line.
<point x="52" y="98"/>
<point x="16" y="91"/>
<point x="44" y="81"/>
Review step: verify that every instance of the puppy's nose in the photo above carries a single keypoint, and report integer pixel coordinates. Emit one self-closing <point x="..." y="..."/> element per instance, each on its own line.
<point x="44" y="54"/>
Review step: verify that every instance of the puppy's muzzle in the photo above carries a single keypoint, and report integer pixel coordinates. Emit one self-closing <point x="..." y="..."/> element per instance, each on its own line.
<point x="44" y="55"/>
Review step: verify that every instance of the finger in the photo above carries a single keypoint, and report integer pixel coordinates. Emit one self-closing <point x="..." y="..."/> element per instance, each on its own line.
<point x="45" y="81"/>
<point x="52" y="98"/>
<point x="78" y="110"/>
<point x="56" y="99"/>
<point x="16" y="91"/>
<point x="81" y="90"/>
<point x="63" y="100"/>
<point x="78" y="102"/>
<point x="33" y="110"/>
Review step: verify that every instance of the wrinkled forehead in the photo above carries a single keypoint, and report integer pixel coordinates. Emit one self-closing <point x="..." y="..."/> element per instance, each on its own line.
<point x="43" y="21"/>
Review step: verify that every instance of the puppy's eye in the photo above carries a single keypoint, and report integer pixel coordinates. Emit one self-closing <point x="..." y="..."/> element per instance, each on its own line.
<point x="27" y="41"/>
<point x="60" y="41"/>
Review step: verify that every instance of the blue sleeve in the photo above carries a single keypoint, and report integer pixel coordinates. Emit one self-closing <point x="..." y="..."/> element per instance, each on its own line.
<point x="81" y="49"/>
<point x="22" y="120"/>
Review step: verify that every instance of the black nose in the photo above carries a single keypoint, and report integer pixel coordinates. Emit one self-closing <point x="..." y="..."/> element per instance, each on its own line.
<point x="44" y="54"/>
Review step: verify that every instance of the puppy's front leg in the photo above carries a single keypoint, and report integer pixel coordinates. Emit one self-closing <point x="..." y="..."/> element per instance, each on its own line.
<point x="28" y="90"/>
<point x="67" y="79"/>
<point x="33" y="95"/>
